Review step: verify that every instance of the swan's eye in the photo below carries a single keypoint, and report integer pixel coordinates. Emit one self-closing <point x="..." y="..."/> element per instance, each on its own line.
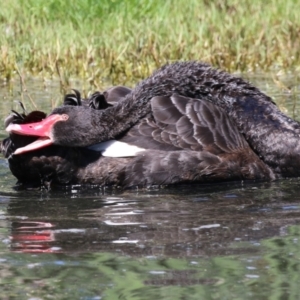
<point x="64" y="117"/>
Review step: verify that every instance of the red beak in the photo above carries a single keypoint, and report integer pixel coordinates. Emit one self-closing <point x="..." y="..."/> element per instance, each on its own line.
<point x="41" y="129"/>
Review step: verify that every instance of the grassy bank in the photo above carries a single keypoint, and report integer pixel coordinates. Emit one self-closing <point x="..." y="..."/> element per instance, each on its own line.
<point x="126" y="39"/>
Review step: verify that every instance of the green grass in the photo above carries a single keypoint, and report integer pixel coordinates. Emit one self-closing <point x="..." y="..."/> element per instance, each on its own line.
<point x="124" y="40"/>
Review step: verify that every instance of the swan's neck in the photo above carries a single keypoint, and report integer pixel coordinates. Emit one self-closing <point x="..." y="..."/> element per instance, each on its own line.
<point x="272" y="135"/>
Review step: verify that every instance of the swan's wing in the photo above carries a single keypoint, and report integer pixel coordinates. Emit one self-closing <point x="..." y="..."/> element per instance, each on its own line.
<point x="207" y="146"/>
<point x="73" y="99"/>
<point x="179" y="122"/>
<point x="116" y="93"/>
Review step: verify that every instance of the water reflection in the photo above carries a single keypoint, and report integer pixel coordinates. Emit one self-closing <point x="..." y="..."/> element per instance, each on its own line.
<point x="144" y="244"/>
<point x="174" y="222"/>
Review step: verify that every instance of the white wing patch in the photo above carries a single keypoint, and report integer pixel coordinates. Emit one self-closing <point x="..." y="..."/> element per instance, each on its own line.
<point x="115" y="148"/>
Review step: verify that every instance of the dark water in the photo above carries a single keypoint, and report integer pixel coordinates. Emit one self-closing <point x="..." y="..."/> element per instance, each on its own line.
<point x="225" y="241"/>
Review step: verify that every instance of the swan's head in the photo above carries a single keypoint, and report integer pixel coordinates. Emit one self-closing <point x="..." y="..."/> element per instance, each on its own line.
<point x="71" y="126"/>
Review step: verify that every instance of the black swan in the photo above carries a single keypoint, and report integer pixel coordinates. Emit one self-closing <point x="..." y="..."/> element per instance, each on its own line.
<point x="188" y="122"/>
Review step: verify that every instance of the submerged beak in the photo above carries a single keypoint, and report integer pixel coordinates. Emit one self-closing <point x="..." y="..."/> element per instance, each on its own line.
<point x="40" y="129"/>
